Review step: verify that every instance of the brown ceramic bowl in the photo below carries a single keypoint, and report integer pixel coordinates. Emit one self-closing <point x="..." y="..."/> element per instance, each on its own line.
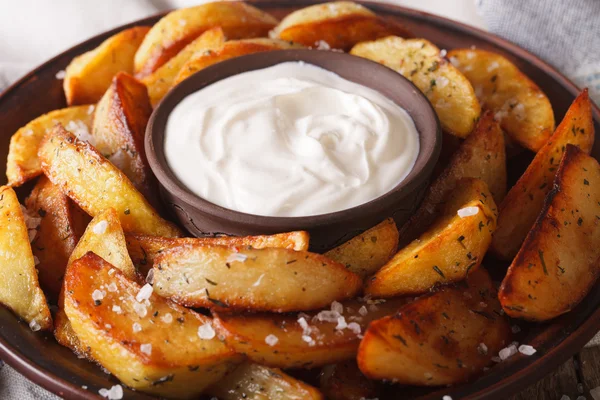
<point x="202" y="218"/>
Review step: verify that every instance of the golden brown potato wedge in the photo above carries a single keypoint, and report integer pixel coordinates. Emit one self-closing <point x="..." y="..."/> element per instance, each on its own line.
<point x="19" y="287"/>
<point x="180" y="27"/>
<point x="524" y="201"/>
<point x="231" y="49"/>
<point x="96" y="185"/>
<point x="90" y="74"/>
<point x="344" y="381"/>
<point x="335" y="25"/>
<point x="270" y="279"/>
<point x="366" y="253"/>
<point x="23" y="163"/>
<point x="439" y="339"/>
<point x="256" y="382"/>
<point x="144" y="249"/>
<point x="303" y="340"/>
<point x="451" y="248"/>
<point x="559" y="261"/>
<point x="524" y="111"/>
<point x="418" y="60"/>
<point x="149" y="343"/>
<point x="160" y="81"/>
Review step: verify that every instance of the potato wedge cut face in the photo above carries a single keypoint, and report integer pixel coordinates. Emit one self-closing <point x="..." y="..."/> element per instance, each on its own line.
<point x="23" y="163"/>
<point x="90" y="74"/>
<point x="152" y="345"/>
<point x="523" y="110"/>
<point x="344" y="381"/>
<point x="270" y="279"/>
<point x="303" y="340"/>
<point x="436" y="340"/>
<point x="96" y="185"/>
<point x="448" y="251"/>
<point x="19" y="287"/>
<point x="366" y="253"/>
<point x="524" y="201"/>
<point x="418" y="60"/>
<point x="559" y="261"/>
<point x="180" y="27"/>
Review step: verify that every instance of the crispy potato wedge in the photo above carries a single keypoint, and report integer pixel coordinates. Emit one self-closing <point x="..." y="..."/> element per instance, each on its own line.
<point x="366" y="253"/>
<point x="144" y="249"/>
<point x="96" y="185"/>
<point x="160" y="81"/>
<point x="303" y="340"/>
<point x="524" y="201"/>
<point x="231" y="49"/>
<point x="19" y="287"/>
<point x="524" y="111"/>
<point x="256" y="382"/>
<point x="90" y="74"/>
<point x="270" y="279"/>
<point x="559" y="261"/>
<point x="437" y="339"/>
<point x="344" y="381"/>
<point x="451" y="248"/>
<point x="119" y="128"/>
<point x="336" y="25"/>
<point x="23" y="163"/>
<point x="418" y="60"/>
<point x="171" y="355"/>
<point x="180" y="27"/>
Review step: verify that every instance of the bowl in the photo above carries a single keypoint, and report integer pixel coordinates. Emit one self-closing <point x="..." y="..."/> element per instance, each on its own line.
<point x="203" y="218"/>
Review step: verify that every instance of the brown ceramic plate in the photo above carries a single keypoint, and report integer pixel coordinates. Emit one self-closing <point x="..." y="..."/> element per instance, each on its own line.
<point x="48" y="364"/>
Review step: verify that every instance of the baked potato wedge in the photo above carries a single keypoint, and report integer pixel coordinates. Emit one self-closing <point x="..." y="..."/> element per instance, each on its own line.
<point x="269" y="279"/>
<point x="418" y="60"/>
<point x="335" y="25"/>
<point x="23" y="163"/>
<point x="523" y="110"/>
<point x="304" y="340"/>
<point x="19" y="287"/>
<point x="252" y="381"/>
<point x="144" y="249"/>
<point x="448" y="251"/>
<point x="149" y="343"/>
<point x="90" y="74"/>
<point x="559" y="261"/>
<point x="439" y="339"/>
<point x="180" y="27"/>
<point x="525" y="199"/>
<point x="96" y="185"/>
<point x="344" y="381"/>
<point x="364" y="254"/>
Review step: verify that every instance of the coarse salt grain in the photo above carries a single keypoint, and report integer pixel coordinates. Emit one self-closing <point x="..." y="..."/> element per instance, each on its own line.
<point x="150" y="276"/>
<point x="115" y="393"/>
<point x="112" y="287"/>
<point x="61" y="74"/>
<point x="117" y="309"/>
<point x="441" y="82"/>
<point x="136" y="327"/>
<point x="140" y="309"/>
<point x="31" y="233"/>
<point x="527" y="350"/>
<point x="454" y="61"/>
<point x="446" y="397"/>
<point x="443" y="53"/>
<point x="271" y="340"/>
<point x="307" y="339"/>
<point x="341" y="323"/>
<point x="337" y="307"/>
<point x="34" y="326"/>
<point x="146" y="348"/>
<point x="507" y="352"/>
<point x="111" y="271"/>
<point x="108" y="326"/>
<point x="91" y="109"/>
<point x="144" y="293"/>
<point x="468" y="212"/>
<point x="100" y="227"/>
<point x="257" y="283"/>
<point x="493" y="65"/>
<point x="236" y="257"/>
<point x="206" y="331"/>
<point x="36" y="260"/>
<point x="97" y="295"/>
<point x="167" y="318"/>
<point x="482" y="348"/>
<point x="363" y="311"/>
<point x="354" y="327"/>
<point x="323" y="45"/>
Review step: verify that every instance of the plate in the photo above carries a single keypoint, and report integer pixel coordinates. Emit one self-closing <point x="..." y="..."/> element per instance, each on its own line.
<point x="55" y="368"/>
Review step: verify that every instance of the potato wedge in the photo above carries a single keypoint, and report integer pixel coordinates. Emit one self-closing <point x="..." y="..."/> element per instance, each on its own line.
<point x="19" y="287"/>
<point x="439" y="339"/>
<point x="451" y="248"/>
<point x="335" y="25"/>
<point x="175" y="353"/>
<point x="270" y="279"/>
<point x="524" y="201"/>
<point x="559" y="261"/>
<point x="256" y="382"/>
<point x="144" y="249"/>
<point x="418" y="60"/>
<point x="96" y="185"/>
<point x="524" y="111"/>
<point x="344" y="381"/>
<point x="180" y="27"/>
<point x="90" y="74"/>
<point x="160" y="81"/>
<point x="231" y="49"/>
<point x="364" y="254"/>
<point x="303" y="340"/>
<point x="23" y="163"/>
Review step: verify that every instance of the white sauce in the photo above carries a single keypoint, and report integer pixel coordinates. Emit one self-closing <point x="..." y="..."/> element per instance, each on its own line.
<point x="289" y="140"/>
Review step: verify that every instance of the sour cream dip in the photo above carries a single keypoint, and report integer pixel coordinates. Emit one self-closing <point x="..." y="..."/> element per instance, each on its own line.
<point x="290" y="140"/>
